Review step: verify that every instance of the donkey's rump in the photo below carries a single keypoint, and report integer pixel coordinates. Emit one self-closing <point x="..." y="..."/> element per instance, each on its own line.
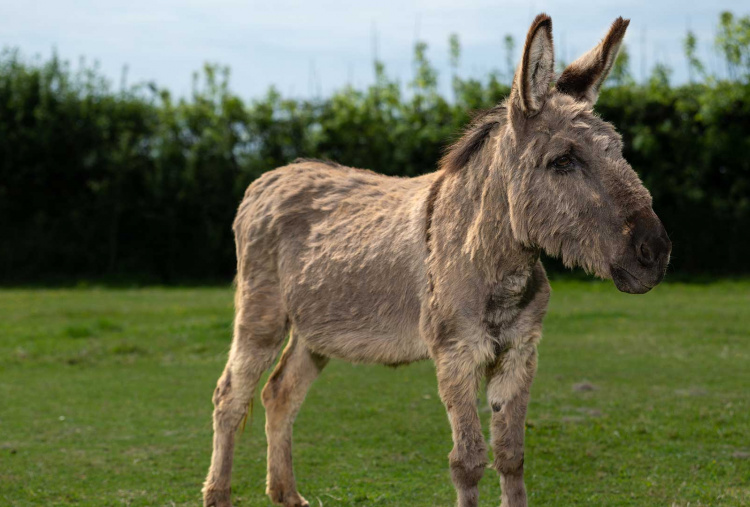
<point x="348" y="251"/>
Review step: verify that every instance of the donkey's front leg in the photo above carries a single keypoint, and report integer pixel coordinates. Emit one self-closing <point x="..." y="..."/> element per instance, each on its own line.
<point x="508" y="384"/>
<point x="458" y="381"/>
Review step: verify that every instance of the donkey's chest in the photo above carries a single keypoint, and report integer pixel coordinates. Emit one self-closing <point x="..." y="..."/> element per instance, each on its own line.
<point x="515" y="306"/>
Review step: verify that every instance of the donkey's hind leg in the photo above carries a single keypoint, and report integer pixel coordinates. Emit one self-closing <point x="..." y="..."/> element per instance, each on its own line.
<point x="282" y="397"/>
<point x="259" y="330"/>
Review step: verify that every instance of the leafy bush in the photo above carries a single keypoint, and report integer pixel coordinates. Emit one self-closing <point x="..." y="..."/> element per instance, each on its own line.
<point x="134" y="184"/>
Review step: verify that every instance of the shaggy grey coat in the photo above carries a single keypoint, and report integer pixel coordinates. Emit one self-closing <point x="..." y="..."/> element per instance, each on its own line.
<point x="369" y="268"/>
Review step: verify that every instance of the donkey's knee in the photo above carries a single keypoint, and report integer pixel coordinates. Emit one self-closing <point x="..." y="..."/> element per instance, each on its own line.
<point x="468" y="460"/>
<point x="509" y="463"/>
<point x="223" y="388"/>
<point x="228" y="409"/>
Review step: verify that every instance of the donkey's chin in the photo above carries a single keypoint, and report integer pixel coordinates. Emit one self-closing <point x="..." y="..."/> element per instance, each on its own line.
<point x="627" y="282"/>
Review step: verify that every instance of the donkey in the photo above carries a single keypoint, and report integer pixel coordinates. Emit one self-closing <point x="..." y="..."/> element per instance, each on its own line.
<point x="369" y="268"/>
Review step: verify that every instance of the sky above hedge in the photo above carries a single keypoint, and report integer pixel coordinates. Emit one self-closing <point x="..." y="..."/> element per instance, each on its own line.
<point x="312" y="47"/>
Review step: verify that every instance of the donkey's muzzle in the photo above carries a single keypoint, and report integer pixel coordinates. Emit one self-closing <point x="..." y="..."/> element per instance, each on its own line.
<point x="644" y="262"/>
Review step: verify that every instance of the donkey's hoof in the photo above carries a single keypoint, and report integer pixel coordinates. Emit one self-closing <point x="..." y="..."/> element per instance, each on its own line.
<point x="287" y="499"/>
<point x="217" y="498"/>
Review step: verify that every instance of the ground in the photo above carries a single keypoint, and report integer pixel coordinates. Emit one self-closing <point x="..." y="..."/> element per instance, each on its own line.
<point x="105" y="399"/>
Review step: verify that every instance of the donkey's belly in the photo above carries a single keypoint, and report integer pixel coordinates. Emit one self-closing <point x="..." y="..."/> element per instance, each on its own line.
<point x="369" y="347"/>
<point x="358" y="315"/>
<point x="363" y="331"/>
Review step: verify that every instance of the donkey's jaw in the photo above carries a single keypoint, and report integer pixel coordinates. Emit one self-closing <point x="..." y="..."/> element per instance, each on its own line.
<point x="625" y="281"/>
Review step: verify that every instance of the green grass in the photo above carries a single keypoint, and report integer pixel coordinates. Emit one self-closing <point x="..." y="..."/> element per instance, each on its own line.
<point x="105" y="399"/>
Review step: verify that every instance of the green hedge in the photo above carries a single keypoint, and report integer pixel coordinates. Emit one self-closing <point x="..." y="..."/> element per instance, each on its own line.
<point x="132" y="184"/>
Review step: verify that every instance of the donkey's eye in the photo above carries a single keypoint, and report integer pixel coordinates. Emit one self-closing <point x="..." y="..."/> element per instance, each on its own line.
<point x="563" y="163"/>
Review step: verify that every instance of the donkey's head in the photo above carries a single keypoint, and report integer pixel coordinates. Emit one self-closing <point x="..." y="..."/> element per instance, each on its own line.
<point x="570" y="191"/>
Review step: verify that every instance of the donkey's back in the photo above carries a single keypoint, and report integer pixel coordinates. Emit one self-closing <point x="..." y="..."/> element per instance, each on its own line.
<point x="345" y="248"/>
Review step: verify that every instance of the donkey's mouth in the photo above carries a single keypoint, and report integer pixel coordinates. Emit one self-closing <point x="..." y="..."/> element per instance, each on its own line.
<point x="625" y="281"/>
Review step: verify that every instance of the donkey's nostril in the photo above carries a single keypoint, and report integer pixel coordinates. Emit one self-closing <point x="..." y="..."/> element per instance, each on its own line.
<point x="649" y="243"/>
<point x="645" y="254"/>
<point x="645" y="251"/>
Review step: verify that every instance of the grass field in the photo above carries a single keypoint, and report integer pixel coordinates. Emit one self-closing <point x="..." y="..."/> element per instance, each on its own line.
<point x="105" y="399"/>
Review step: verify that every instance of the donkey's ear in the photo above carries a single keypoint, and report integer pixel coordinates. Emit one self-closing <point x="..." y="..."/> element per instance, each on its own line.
<point x="532" y="81"/>
<point x="583" y="78"/>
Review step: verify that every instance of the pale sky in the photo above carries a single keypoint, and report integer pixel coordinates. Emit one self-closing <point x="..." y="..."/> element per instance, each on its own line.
<point x="303" y="46"/>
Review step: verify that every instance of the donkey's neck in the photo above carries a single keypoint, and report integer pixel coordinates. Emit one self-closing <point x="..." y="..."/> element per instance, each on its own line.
<point x="488" y="239"/>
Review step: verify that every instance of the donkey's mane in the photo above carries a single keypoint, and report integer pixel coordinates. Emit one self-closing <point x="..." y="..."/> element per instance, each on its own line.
<point x="458" y="154"/>
<point x="303" y="160"/>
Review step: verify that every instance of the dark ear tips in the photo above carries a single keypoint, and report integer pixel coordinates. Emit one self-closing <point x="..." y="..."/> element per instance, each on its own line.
<point x="541" y="20"/>
<point x="583" y="78"/>
<point x="617" y="30"/>
<point x="619" y="25"/>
